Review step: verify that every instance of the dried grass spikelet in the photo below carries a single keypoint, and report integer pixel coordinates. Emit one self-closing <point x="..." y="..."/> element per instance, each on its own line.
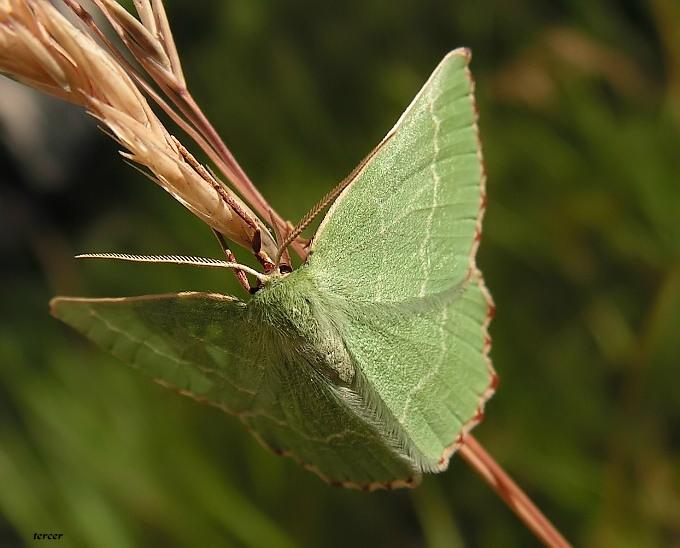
<point x="43" y="49"/>
<point x="149" y="40"/>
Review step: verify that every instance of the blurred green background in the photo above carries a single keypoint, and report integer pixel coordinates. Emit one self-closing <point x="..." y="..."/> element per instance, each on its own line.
<point x="580" y="121"/>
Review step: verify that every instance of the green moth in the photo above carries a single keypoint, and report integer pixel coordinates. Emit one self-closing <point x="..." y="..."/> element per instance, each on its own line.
<point x="368" y="363"/>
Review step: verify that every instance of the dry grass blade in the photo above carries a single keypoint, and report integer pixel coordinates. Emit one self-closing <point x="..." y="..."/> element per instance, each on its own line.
<point x="141" y="41"/>
<point x="152" y="44"/>
<point x="145" y="12"/>
<point x="41" y="48"/>
<point x="165" y="31"/>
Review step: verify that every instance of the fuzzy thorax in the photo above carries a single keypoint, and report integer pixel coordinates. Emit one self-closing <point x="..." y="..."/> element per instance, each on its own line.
<point x="305" y="323"/>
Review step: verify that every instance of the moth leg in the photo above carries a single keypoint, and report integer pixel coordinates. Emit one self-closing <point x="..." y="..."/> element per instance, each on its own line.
<point x="284" y="261"/>
<point x="240" y="275"/>
<point x="260" y="255"/>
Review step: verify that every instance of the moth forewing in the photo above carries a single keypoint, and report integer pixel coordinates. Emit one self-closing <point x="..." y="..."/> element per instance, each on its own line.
<point x="418" y="326"/>
<point x="356" y="173"/>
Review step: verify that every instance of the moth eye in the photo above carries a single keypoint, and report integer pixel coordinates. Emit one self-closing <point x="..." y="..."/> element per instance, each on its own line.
<point x="254" y="290"/>
<point x="285" y="269"/>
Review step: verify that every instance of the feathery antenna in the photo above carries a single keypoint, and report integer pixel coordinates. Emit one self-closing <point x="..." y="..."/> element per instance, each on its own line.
<point x="175" y="259"/>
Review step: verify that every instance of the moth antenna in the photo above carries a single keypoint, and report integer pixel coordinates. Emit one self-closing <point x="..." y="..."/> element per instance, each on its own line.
<point x="327" y="200"/>
<point x="206" y="262"/>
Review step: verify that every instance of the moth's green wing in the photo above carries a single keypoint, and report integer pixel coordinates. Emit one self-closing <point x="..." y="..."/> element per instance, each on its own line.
<point x="195" y="343"/>
<point x="405" y="227"/>
<point x="401" y="240"/>
<point x="209" y="347"/>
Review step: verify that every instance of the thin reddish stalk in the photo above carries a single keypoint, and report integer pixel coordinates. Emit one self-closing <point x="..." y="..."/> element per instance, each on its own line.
<point x="485" y="465"/>
<point x="163" y="26"/>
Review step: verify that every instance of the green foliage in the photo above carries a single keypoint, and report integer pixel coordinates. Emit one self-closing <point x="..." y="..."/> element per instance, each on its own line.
<point x="581" y="124"/>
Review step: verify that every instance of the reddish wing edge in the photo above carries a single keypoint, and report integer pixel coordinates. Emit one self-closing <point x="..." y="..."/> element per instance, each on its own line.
<point x="475" y="273"/>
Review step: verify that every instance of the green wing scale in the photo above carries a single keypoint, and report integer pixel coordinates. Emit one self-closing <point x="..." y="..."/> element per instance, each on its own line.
<point x="369" y="362"/>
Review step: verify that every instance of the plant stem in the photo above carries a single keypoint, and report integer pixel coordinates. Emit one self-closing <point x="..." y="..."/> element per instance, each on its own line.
<point x="485" y="465"/>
